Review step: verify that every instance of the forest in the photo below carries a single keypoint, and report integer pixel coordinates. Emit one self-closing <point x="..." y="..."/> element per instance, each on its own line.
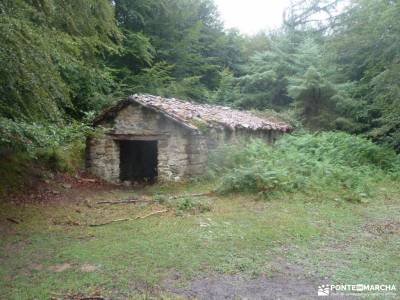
<point x="320" y="205"/>
<point x="62" y="62"/>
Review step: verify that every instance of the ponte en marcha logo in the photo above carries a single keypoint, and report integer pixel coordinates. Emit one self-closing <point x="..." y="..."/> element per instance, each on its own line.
<point x="356" y="289"/>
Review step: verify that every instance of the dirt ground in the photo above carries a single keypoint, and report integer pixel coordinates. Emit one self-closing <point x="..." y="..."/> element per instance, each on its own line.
<point x="237" y="287"/>
<point x="288" y="282"/>
<point x="284" y="280"/>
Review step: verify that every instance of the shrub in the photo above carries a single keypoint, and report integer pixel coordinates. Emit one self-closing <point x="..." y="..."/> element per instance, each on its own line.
<point x="186" y="204"/>
<point x="66" y="158"/>
<point x="306" y="162"/>
<point x="32" y="138"/>
<point x="54" y="147"/>
<point x="342" y="148"/>
<point x="15" y="172"/>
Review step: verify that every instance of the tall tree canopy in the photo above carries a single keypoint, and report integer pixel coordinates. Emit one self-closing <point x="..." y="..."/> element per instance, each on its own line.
<point x="333" y="63"/>
<point x="51" y="57"/>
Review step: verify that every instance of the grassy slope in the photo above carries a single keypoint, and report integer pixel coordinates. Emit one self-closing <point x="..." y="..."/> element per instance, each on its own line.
<point x="339" y="240"/>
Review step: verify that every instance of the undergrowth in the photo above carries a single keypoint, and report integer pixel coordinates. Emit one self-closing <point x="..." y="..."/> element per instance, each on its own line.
<point x="14" y="170"/>
<point x="34" y="138"/>
<point x="185" y="205"/>
<point x="27" y="150"/>
<point x="319" y="162"/>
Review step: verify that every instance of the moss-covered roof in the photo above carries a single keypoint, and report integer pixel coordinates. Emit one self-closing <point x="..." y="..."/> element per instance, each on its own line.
<point x="191" y="114"/>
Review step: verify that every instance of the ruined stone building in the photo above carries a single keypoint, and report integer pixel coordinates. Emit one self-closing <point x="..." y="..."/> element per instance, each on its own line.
<point x="149" y="138"/>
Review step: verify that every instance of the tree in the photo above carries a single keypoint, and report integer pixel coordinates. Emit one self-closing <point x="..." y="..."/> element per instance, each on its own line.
<point x="314" y="101"/>
<point x="51" y="58"/>
<point x="228" y="92"/>
<point x="186" y="35"/>
<point x="266" y="81"/>
<point x="365" y="46"/>
<point x="319" y="15"/>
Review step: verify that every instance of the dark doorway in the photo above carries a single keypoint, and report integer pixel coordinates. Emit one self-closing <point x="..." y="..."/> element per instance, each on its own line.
<point x="138" y="161"/>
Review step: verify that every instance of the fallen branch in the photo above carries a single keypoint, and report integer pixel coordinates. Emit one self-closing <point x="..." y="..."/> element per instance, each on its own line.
<point x="152" y="214"/>
<point x="110" y="222"/>
<point x="72" y="222"/>
<point x="13" y="220"/>
<point x="130" y="219"/>
<point x="142" y="200"/>
<point x="191" y="195"/>
<point x="123" y="201"/>
<point x="87" y="180"/>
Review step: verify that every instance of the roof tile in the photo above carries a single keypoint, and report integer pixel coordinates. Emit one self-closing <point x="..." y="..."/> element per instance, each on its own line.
<point x="191" y="114"/>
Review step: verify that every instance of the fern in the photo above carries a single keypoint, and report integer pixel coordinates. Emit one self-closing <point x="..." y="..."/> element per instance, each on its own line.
<point x="306" y="162"/>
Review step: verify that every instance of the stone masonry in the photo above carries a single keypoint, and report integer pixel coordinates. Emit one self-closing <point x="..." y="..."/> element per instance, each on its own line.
<point x="183" y="146"/>
<point x="182" y="153"/>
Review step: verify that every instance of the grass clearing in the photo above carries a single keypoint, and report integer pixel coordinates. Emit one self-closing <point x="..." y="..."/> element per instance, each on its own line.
<point x="45" y="256"/>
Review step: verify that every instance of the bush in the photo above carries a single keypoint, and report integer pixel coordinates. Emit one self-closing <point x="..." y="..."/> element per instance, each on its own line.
<point x="34" y="138"/>
<point x="343" y="149"/>
<point x="192" y="206"/>
<point x="306" y="162"/>
<point x="66" y="158"/>
<point x="28" y="150"/>
<point x="15" y="173"/>
<point x="186" y="204"/>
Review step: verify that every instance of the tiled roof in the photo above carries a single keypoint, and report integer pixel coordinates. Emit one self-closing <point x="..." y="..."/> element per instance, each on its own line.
<point x="194" y="115"/>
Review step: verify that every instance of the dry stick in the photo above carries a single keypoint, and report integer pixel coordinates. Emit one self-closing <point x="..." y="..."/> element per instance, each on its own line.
<point x="113" y="221"/>
<point x="12" y="220"/>
<point x="130" y="219"/>
<point x="191" y="195"/>
<point x="144" y="200"/>
<point x="72" y="222"/>
<point x="123" y="201"/>
<point x="153" y="213"/>
<point x="87" y="180"/>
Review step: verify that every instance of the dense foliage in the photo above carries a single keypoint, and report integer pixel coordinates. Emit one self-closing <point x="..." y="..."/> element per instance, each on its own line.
<point x="316" y="163"/>
<point x="50" y="58"/>
<point x="333" y="64"/>
<point x="34" y="137"/>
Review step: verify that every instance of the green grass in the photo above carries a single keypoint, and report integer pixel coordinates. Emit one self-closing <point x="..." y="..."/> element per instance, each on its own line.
<point x="239" y="236"/>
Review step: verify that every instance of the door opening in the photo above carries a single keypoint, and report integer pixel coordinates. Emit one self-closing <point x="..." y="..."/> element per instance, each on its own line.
<point x="138" y="161"/>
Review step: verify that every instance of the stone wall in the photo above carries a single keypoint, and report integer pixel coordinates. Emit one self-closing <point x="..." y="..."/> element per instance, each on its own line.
<point x="215" y="137"/>
<point x="181" y="151"/>
<point x="102" y="158"/>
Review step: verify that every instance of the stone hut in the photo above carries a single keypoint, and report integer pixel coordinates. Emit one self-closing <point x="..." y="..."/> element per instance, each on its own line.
<point x="149" y="138"/>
